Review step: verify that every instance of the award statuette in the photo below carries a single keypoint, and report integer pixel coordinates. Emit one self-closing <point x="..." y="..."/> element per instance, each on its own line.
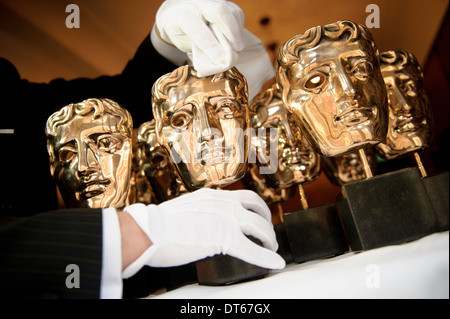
<point x="89" y="146"/>
<point x="330" y="80"/>
<point x="154" y="165"/>
<point x="158" y="177"/>
<point x="309" y="233"/>
<point x="411" y="124"/>
<point x="201" y="123"/>
<point x="348" y="168"/>
<point x="272" y="196"/>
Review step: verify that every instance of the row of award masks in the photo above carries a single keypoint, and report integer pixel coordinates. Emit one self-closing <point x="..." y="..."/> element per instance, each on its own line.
<point x="336" y="105"/>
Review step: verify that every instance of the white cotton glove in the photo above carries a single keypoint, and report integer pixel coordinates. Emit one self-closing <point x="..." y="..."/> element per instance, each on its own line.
<point x="205" y="223"/>
<point x="211" y="34"/>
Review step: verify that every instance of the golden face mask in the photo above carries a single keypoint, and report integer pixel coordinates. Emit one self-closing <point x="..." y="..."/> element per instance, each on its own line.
<point x="410" y="117"/>
<point x="201" y="122"/>
<point x="348" y="168"/>
<point x="297" y="161"/>
<point x="154" y="164"/>
<point x="330" y="80"/>
<point x="258" y="183"/>
<point x="89" y="145"/>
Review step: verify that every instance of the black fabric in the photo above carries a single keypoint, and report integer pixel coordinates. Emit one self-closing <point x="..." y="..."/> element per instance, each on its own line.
<point x="35" y="252"/>
<point x="26" y="185"/>
<point x="37" y="245"/>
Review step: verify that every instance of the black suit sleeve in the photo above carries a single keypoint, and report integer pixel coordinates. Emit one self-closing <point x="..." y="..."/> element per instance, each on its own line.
<point x="35" y="252"/>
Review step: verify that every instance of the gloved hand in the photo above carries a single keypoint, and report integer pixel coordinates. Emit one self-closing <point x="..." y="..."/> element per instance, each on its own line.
<point x="210" y="28"/>
<point x="211" y="34"/>
<point x="205" y="223"/>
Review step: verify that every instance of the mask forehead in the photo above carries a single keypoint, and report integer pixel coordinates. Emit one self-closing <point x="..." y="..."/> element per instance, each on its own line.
<point x="330" y="53"/>
<point x="81" y="127"/>
<point x="197" y="91"/>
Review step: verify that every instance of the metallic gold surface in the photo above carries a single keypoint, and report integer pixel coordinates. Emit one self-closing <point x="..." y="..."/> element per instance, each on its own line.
<point x="410" y="117"/>
<point x="255" y="181"/>
<point x="365" y="163"/>
<point x="298" y="163"/>
<point x="89" y="145"/>
<point x="202" y="123"/>
<point x="330" y="80"/>
<point x="154" y="165"/>
<point x="348" y="168"/>
<point x="420" y="167"/>
<point x="303" y="199"/>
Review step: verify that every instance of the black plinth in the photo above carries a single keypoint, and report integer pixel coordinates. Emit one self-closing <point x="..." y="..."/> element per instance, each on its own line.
<point x="388" y="209"/>
<point x="176" y="277"/>
<point x="284" y="248"/>
<point x="437" y="189"/>
<point x="224" y="270"/>
<point x="315" y="233"/>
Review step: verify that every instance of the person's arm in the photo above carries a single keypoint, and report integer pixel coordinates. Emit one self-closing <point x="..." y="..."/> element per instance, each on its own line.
<point x="123" y="242"/>
<point x="134" y="241"/>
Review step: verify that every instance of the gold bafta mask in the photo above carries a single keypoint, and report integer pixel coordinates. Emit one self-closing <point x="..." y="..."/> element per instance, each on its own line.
<point x="89" y="145"/>
<point x="154" y="164"/>
<point x="201" y="122"/>
<point x="410" y="117"/>
<point x="348" y="168"/>
<point x="297" y="162"/>
<point x="258" y="183"/>
<point x="330" y="79"/>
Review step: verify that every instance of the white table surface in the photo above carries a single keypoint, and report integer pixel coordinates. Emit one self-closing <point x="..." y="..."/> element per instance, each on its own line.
<point x="419" y="269"/>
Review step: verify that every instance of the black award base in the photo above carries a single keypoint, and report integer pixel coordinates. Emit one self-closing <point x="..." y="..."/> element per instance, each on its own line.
<point x="284" y="248"/>
<point x="437" y="189"/>
<point x="176" y="277"/>
<point x="314" y="233"/>
<point x="387" y="209"/>
<point x="221" y="270"/>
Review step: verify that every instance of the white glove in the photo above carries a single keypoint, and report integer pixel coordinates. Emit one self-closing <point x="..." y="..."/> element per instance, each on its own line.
<point x="205" y="223"/>
<point x="211" y="34"/>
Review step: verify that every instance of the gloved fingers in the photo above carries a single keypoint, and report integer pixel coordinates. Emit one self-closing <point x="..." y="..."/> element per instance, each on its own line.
<point x="246" y="198"/>
<point x="254" y="225"/>
<point x="254" y="254"/>
<point x="253" y="202"/>
<point x="202" y="36"/>
<point x="228" y="20"/>
<point x="174" y="35"/>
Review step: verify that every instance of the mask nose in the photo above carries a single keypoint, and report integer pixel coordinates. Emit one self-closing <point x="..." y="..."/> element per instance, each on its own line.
<point x="397" y="102"/>
<point x="87" y="161"/>
<point x="344" y="86"/>
<point x="207" y="123"/>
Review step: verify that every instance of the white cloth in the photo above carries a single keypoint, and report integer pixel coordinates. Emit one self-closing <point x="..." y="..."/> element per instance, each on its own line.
<point x="211" y="35"/>
<point x="415" y="270"/>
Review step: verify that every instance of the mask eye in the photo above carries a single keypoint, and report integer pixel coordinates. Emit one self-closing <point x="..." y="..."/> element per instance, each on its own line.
<point x="157" y="161"/>
<point x="226" y="108"/>
<point x="315" y="82"/>
<point x="180" y="119"/>
<point x="108" y="143"/>
<point x="410" y="88"/>
<point x="66" y="155"/>
<point x="362" y="69"/>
